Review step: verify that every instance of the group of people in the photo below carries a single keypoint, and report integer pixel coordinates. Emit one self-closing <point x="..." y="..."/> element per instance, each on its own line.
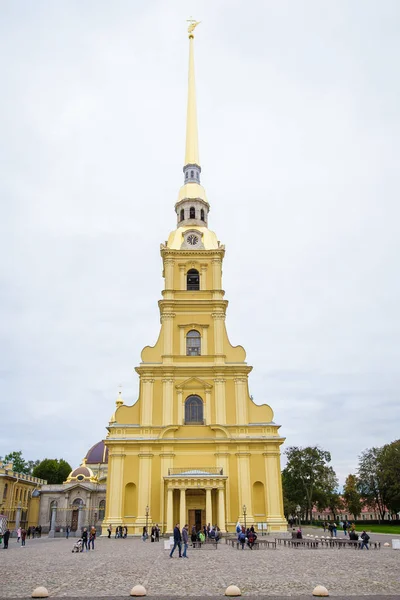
<point x="86" y="540"/>
<point x="211" y="533"/>
<point x="246" y="536"/>
<point x="22" y="534"/>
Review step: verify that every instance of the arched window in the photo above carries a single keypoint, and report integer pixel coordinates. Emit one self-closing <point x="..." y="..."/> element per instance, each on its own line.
<point x="102" y="510"/>
<point x="192" y="174"/>
<point x="187" y="174"/>
<point x="202" y="214"/>
<point x="197" y="175"/>
<point x="193" y="340"/>
<point x="182" y="214"/>
<point x="194" y="410"/>
<point x="192" y="280"/>
<point x="192" y="212"/>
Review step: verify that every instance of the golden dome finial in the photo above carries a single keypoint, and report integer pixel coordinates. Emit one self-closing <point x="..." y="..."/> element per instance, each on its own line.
<point x="192" y="26"/>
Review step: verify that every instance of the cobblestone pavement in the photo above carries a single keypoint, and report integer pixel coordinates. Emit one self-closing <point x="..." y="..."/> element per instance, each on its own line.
<point x="116" y="565"/>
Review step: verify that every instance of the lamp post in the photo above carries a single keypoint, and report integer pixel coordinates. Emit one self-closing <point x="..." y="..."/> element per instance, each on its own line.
<point x="298" y="508"/>
<point x="244" y="514"/>
<point x="147" y="517"/>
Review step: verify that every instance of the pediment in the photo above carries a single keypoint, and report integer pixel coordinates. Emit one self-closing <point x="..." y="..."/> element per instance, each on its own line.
<point x="194" y="383"/>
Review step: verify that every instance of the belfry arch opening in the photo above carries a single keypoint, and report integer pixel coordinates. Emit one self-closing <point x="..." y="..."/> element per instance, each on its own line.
<point x="192" y="212"/>
<point x="194" y="410"/>
<point x="193" y="343"/>
<point x="182" y="214"/>
<point x="193" y="280"/>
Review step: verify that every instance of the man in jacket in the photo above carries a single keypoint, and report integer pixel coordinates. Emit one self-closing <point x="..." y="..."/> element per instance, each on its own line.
<point x="177" y="541"/>
<point x="6" y="537"/>
<point x="185" y="539"/>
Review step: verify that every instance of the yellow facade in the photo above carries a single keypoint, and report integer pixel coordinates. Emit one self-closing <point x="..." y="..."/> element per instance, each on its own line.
<point x="18" y="501"/>
<point x="194" y="448"/>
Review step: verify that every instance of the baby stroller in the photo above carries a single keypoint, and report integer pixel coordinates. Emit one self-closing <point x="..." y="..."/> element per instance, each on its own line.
<point x="77" y="546"/>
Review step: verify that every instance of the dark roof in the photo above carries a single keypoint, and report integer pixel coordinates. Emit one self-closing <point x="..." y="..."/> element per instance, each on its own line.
<point x="97" y="454"/>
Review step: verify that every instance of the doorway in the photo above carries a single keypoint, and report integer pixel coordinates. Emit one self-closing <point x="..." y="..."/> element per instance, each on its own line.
<point x="195" y="519"/>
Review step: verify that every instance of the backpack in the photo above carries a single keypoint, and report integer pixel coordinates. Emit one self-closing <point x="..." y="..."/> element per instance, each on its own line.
<point x="242" y="537"/>
<point x="366" y="538"/>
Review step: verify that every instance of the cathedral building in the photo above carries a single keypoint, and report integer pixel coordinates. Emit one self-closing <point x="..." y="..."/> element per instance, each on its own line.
<point x="194" y="448"/>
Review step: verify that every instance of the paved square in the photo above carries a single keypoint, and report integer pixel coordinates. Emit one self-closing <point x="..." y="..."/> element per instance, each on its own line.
<point x="116" y="566"/>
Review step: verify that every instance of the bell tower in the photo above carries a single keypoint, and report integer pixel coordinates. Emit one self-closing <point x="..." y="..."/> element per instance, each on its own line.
<point x="194" y="448"/>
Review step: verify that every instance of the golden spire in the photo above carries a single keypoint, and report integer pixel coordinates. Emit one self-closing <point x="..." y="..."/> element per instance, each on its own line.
<point x="192" y="142"/>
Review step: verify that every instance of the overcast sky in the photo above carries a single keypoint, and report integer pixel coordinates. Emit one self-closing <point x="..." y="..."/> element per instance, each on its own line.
<point x="299" y="127"/>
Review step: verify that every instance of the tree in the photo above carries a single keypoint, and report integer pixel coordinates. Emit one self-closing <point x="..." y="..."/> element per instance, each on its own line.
<point x="53" y="470"/>
<point x="20" y="465"/>
<point x="389" y="462"/>
<point x="371" y="481"/>
<point x="311" y="478"/>
<point x="352" y="496"/>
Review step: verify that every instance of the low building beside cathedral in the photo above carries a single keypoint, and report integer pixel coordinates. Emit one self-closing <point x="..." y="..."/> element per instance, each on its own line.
<point x="194" y="448"/>
<point x="81" y="500"/>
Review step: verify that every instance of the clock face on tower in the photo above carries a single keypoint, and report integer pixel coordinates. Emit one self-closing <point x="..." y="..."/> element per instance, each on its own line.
<point x="192" y="239"/>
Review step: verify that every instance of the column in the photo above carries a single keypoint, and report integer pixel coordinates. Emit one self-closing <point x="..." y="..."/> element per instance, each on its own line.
<point x="219" y="319"/>
<point x="274" y="488"/>
<point x="204" y="341"/>
<point x="169" y="273"/>
<point x="180" y="406"/>
<point x="146" y="412"/>
<point x="53" y="521"/>
<point x="182" y="345"/>
<point x="241" y="400"/>
<point x="80" y="519"/>
<point x="203" y="280"/>
<point x="221" y="509"/>
<point x="244" y="484"/>
<point x="167" y="319"/>
<point x="144" y="487"/>
<point x="168" y="391"/>
<point x="208" y="507"/>
<point x="222" y="460"/>
<point x="182" y="282"/>
<point x="114" y="486"/>
<point x="182" y="508"/>
<point x="170" y="510"/>
<point x="208" y="406"/>
<point x="18" y="516"/>
<point x="217" y="273"/>
<point x="220" y="411"/>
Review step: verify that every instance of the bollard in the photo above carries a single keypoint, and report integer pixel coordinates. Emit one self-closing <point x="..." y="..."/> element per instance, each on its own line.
<point x="232" y="590"/>
<point x="40" y="592"/>
<point x="138" y="590"/>
<point x="320" y="590"/>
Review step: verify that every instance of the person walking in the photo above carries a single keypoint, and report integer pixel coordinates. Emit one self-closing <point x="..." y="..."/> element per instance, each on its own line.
<point x="92" y="537"/>
<point x="84" y="539"/>
<point x="157" y="533"/>
<point x="185" y="539"/>
<point x="23" y="536"/>
<point x="109" y="531"/>
<point x="177" y="541"/>
<point x="18" y="534"/>
<point x="334" y="529"/>
<point x="6" y="538"/>
<point x="145" y="534"/>
<point x="345" y="528"/>
<point x="365" y="540"/>
<point x="242" y="537"/>
<point x="67" y="531"/>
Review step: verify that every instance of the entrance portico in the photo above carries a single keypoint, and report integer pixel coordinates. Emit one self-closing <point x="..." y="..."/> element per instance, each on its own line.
<point x="196" y="497"/>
